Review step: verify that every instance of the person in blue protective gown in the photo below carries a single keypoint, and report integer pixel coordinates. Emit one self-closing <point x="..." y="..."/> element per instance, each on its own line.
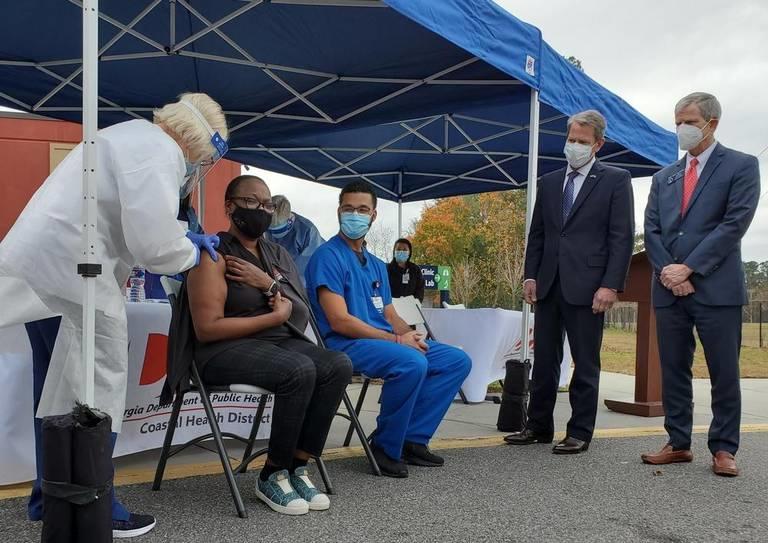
<point x="295" y="233"/>
<point x="350" y="294"/>
<point x="144" y="169"/>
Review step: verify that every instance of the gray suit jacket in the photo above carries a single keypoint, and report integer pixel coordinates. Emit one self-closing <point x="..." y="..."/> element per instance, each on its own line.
<point x="708" y="237"/>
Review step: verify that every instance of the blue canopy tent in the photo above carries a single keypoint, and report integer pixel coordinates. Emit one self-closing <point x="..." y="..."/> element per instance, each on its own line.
<point x="422" y="98"/>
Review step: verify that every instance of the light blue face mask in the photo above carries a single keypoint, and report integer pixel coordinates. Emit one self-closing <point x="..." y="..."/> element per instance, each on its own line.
<point x="354" y="226"/>
<point x="401" y="256"/>
<point x="281" y="230"/>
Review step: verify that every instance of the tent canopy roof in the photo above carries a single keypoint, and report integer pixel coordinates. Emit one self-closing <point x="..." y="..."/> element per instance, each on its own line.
<point x="424" y="99"/>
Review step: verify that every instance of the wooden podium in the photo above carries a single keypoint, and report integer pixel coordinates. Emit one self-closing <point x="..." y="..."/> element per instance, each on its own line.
<point x="647" y="401"/>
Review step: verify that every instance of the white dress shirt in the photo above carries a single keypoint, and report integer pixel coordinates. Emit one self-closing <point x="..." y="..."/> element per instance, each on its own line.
<point x="703" y="157"/>
<point x="578" y="181"/>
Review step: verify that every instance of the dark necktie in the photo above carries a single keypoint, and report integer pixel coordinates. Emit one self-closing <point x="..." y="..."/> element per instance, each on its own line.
<point x="568" y="195"/>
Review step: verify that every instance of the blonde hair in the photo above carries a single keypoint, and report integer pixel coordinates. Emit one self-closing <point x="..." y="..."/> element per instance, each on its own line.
<point x="282" y="209"/>
<point x="180" y="119"/>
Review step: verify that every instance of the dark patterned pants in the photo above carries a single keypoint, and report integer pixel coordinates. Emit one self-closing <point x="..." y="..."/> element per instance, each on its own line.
<point x="308" y="383"/>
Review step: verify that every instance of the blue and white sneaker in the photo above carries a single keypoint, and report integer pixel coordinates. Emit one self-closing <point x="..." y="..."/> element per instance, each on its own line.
<point x="280" y="496"/>
<point x="306" y="489"/>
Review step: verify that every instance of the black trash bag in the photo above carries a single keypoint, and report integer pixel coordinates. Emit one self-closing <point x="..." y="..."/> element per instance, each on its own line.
<point x="513" y="411"/>
<point x="77" y="477"/>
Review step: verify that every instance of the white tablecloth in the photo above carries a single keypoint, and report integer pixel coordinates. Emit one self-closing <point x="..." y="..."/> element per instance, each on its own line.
<point x="490" y="337"/>
<point x="145" y="421"/>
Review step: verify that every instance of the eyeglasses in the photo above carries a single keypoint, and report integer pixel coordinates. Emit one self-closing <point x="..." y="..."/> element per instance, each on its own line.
<point x="362" y="210"/>
<point x="253" y="203"/>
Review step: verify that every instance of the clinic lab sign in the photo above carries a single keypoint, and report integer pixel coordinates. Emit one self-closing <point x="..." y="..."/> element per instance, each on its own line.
<point x="436" y="277"/>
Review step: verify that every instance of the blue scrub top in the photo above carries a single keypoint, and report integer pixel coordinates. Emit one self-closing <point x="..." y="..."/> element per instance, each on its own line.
<point x="336" y="267"/>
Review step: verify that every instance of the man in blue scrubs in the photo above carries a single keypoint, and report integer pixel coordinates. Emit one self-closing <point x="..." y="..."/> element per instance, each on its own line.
<point x="349" y="292"/>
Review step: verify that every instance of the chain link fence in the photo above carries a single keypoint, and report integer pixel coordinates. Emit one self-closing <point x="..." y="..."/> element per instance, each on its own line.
<point x="623" y="316"/>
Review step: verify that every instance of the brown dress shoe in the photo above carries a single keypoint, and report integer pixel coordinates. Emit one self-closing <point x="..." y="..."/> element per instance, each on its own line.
<point x="667" y="456"/>
<point x="724" y="464"/>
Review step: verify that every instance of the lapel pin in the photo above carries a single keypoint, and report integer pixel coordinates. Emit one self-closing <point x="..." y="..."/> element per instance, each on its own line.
<point x="672" y="178"/>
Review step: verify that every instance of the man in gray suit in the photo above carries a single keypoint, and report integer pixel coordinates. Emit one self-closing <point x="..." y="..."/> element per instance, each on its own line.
<point x="698" y="210"/>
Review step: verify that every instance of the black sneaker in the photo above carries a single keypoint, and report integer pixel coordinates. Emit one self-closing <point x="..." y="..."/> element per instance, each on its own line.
<point x="388" y="466"/>
<point x="136" y="525"/>
<point x="420" y="455"/>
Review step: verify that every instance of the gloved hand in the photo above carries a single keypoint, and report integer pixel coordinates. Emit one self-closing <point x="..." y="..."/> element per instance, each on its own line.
<point x="209" y="242"/>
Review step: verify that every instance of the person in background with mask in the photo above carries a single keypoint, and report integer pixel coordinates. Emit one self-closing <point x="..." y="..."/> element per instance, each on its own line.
<point x="295" y="233"/>
<point x="349" y="290"/>
<point x="405" y="277"/>
<point x="250" y="311"/>
<point x="579" y="248"/>
<point x="698" y="210"/>
<point x="144" y="170"/>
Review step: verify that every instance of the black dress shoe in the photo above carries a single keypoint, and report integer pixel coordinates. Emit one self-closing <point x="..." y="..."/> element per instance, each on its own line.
<point x="527" y="437"/>
<point x="388" y="466"/>
<point x="420" y="455"/>
<point x="570" y="445"/>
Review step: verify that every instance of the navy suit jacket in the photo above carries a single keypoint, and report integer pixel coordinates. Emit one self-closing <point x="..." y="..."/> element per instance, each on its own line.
<point x="707" y="238"/>
<point x="594" y="246"/>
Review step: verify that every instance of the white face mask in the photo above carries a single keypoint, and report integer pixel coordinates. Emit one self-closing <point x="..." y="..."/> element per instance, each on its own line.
<point x="689" y="136"/>
<point x="577" y="154"/>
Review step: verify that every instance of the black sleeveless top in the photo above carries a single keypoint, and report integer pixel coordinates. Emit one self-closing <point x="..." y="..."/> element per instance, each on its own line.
<point x="246" y="301"/>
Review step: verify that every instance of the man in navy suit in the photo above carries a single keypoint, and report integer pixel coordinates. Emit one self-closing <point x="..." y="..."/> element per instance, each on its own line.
<point x="577" y="259"/>
<point x="698" y="210"/>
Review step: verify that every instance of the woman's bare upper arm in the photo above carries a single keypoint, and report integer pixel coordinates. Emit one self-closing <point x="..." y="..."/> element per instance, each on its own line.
<point x="207" y="291"/>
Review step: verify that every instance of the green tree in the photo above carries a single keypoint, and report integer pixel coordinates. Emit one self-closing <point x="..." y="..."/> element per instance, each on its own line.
<point x="576" y="62"/>
<point x="482" y="237"/>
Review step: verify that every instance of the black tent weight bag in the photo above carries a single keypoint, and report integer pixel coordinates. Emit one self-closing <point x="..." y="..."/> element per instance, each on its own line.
<point x="77" y="477"/>
<point x="513" y="411"/>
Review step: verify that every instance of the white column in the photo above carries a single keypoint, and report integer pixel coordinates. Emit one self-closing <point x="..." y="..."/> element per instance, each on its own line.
<point x="89" y="267"/>
<point x="533" y="168"/>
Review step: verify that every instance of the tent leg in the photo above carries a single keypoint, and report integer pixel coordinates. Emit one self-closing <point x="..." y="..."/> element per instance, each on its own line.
<point x="399" y="219"/>
<point x="201" y="204"/>
<point x="399" y="205"/>
<point x="89" y="267"/>
<point x="533" y="167"/>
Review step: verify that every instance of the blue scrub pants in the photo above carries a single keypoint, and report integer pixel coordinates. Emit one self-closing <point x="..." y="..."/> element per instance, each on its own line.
<point x="417" y="391"/>
<point x="42" y="336"/>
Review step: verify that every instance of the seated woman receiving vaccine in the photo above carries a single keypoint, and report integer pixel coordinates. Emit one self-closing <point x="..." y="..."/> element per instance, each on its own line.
<point x="250" y="312"/>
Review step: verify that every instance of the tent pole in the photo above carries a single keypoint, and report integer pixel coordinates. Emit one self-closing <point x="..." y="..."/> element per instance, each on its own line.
<point x="201" y="203"/>
<point x="399" y="205"/>
<point x="533" y="166"/>
<point x="89" y="268"/>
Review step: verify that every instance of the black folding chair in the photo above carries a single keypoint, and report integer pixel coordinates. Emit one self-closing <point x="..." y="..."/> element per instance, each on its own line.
<point x="197" y="386"/>
<point x="367" y="382"/>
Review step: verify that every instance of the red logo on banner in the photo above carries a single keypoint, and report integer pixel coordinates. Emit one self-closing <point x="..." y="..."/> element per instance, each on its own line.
<point x="154" y="359"/>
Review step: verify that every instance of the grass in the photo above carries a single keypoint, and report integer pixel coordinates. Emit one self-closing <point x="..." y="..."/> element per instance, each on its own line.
<point x="618" y="354"/>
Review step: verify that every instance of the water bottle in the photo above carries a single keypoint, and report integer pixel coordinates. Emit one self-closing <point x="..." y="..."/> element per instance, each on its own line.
<point x="135" y="291"/>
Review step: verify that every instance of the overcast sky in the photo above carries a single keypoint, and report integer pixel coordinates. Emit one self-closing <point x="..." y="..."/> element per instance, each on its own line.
<point x="651" y="53"/>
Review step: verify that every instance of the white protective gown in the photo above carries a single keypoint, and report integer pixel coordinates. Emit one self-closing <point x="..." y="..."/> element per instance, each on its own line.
<point x="140" y="172"/>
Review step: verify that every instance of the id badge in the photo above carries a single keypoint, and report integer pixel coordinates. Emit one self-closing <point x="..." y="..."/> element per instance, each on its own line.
<point x="378" y="303"/>
<point x="406" y="278"/>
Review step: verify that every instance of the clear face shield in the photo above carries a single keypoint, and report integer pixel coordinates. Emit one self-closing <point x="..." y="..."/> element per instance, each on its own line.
<point x="197" y="171"/>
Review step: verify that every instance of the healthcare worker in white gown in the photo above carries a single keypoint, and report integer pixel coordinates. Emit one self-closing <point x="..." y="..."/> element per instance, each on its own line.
<point x="143" y="169"/>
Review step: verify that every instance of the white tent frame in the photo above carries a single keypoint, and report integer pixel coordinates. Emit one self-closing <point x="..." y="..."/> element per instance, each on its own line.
<point x="93" y="103"/>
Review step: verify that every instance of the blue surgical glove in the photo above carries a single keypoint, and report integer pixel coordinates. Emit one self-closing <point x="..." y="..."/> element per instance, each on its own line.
<point x="209" y="242"/>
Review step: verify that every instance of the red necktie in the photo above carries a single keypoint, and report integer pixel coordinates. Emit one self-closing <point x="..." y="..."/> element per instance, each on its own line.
<point x="689" y="184"/>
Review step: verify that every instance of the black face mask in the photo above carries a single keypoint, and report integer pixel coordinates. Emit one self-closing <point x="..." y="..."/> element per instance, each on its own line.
<point x="251" y="222"/>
